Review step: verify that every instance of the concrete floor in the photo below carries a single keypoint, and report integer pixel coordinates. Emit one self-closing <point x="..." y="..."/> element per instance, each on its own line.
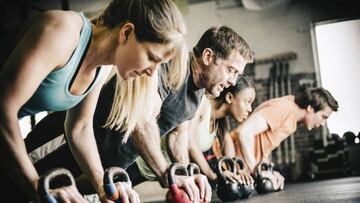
<point x="344" y="190"/>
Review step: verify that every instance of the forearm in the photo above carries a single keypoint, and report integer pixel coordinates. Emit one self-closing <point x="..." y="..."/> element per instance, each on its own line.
<point x="197" y="157"/>
<point x="178" y="145"/>
<point x="147" y="140"/>
<point x="229" y="148"/>
<point x="247" y="149"/>
<point x="83" y="146"/>
<point x="14" y="157"/>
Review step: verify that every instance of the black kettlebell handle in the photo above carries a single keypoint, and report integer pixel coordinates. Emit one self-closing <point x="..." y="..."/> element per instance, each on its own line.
<point x="238" y="161"/>
<point x="264" y="166"/>
<point x="271" y="166"/>
<point x="120" y="175"/>
<point x="264" y="184"/>
<point x="227" y="160"/>
<point x="116" y="172"/>
<point x="172" y="170"/>
<point x="45" y="180"/>
<point x="193" y="169"/>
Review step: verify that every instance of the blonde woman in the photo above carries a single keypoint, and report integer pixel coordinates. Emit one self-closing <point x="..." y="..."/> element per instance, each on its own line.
<point x="60" y="61"/>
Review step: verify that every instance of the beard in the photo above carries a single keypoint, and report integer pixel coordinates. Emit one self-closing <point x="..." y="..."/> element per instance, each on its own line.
<point x="209" y="81"/>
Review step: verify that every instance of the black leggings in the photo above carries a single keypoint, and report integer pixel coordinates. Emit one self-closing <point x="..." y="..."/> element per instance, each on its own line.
<point x="46" y="130"/>
<point x="135" y="175"/>
<point x="211" y="159"/>
<point x="50" y="127"/>
<point x="60" y="158"/>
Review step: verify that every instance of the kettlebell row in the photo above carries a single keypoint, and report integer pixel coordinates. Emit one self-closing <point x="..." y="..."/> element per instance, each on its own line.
<point x="61" y="177"/>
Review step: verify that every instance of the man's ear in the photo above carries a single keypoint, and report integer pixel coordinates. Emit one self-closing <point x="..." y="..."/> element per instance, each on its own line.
<point x="310" y="109"/>
<point x="207" y="56"/>
<point x="229" y="97"/>
<point x="125" y="32"/>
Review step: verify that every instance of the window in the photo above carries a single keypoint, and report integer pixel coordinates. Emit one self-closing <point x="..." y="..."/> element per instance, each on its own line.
<point x="337" y="58"/>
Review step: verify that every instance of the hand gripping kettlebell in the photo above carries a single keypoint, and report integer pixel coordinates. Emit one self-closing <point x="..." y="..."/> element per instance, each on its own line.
<point x="263" y="184"/>
<point x="51" y="180"/>
<point x="111" y="176"/>
<point x="194" y="169"/>
<point x="176" y="194"/>
<point x="246" y="190"/>
<point x="226" y="190"/>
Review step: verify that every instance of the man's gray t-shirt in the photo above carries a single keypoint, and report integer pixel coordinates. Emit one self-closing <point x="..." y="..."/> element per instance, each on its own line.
<point x="180" y="105"/>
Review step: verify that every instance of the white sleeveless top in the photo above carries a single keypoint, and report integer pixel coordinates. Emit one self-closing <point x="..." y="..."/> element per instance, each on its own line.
<point x="204" y="137"/>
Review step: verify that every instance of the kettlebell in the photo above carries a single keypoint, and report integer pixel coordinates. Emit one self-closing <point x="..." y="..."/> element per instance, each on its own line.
<point x="194" y="169"/>
<point x="263" y="184"/>
<point x="226" y="190"/>
<point x="246" y="190"/>
<point x="53" y="179"/>
<point x="111" y="176"/>
<point x="176" y="194"/>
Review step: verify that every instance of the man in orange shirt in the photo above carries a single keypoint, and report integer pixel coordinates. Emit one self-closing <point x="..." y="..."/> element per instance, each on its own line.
<point x="275" y="120"/>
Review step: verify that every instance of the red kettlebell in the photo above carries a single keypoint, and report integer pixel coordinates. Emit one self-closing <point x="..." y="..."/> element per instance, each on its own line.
<point x="55" y="178"/>
<point x="194" y="169"/>
<point x="111" y="176"/>
<point x="176" y="194"/>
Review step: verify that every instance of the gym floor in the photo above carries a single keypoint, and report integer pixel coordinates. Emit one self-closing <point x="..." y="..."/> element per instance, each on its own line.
<point x="344" y="190"/>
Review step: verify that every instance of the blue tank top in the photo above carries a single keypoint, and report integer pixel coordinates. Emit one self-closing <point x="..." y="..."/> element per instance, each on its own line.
<point x="53" y="93"/>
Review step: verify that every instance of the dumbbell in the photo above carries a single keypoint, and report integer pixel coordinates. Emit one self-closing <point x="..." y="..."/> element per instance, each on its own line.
<point x="226" y="190"/>
<point x="176" y="194"/>
<point x="263" y="184"/>
<point x="246" y="190"/>
<point x="51" y="180"/>
<point x="194" y="169"/>
<point x="111" y="176"/>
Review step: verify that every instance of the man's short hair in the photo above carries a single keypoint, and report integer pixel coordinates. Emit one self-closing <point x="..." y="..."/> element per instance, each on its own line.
<point x="317" y="98"/>
<point x="222" y="40"/>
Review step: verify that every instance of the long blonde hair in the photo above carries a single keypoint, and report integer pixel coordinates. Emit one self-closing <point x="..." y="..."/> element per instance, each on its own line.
<point x="158" y="22"/>
<point x="133" y="103"/>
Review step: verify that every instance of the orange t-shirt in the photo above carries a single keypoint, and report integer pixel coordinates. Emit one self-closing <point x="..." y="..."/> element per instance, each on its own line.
<point x="216" y="148"/>
<point x="280" y="115"/>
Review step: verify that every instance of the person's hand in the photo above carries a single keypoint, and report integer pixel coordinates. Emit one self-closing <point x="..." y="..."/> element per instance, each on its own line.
<point x="126" y="193"/>
<point x="233" y="178"/>
<point x="67" y="194"/>
<point x="276" y="178"/>
<point x="204" y="186"/>
<point x="242" y="177"/>
<point x="280" y="179"/>
<point x="187" y="183"/>
<point x="245" y="177"/>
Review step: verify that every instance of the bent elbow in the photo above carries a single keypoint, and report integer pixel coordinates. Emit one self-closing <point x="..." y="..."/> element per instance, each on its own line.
<point x="243" y="135"/>
<point x="78" y="129"/>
